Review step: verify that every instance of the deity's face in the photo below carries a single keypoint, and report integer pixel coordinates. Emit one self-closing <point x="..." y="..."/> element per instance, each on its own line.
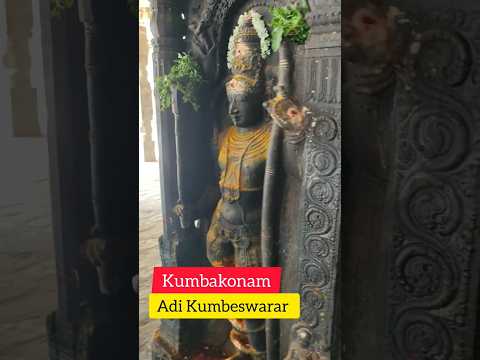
<point x="245" y="102"/>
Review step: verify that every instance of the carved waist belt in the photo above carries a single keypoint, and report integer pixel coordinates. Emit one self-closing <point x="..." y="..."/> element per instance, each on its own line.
<point x="232" y="195"/>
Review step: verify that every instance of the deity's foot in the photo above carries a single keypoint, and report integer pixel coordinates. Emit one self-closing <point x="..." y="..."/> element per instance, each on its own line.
<point x="243" y="356"/>
<point x="239" y="356"/>
<point x="239" y="339"/>
<point x="259" y="356"/>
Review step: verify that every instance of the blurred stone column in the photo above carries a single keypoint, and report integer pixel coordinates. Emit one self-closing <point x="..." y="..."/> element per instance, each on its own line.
<point x="166" y="43"/>
<point x="171" y="340"/>
<point x="144" y="85"/>
<point x="18" y="60"/>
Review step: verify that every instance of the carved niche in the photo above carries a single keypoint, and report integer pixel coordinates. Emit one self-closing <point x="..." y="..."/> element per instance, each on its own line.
<point x="312" y="236"/>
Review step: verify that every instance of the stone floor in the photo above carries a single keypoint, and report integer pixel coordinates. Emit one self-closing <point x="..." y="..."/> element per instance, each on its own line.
<point x="27" y="264"/>
<point x="150" y="230"/>
<point x="25" y="304"/>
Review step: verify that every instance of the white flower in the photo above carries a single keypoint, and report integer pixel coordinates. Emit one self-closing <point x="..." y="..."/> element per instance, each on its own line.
<point x="262" y="33"/>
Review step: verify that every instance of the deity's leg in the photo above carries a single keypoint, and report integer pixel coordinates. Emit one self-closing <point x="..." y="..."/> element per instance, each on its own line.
<point x="248" y="253"/>
<point x="220" y="251"/>
<point x="238" y="245"/>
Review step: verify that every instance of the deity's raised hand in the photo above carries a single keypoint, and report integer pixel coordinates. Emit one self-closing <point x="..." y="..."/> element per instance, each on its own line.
<point x="287" y="113"/>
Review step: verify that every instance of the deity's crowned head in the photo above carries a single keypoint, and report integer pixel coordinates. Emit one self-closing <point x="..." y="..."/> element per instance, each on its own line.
<point x="248" y="46"/>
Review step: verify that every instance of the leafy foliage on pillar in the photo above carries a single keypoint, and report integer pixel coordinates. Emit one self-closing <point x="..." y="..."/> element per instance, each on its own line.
<point x="288" y="23"/>
<point x="185" y="76"/>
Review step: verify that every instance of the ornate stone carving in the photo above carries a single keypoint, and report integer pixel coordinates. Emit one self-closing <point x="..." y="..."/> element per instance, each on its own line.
<point x="324" y="14"/>
<point x="433" y="189"/>
<point x="444" y="58"/>
<point x="326" y="160"/>
<point x="323" y="82"/>
<point x="422" y="336"/>
<point x="440" y="135"/>
<point x="301" y="346"/>
<point x="326" y="128"/>
<point x="430" y="207"/>
<point x="319" y="219"/>
<point x="321" y="185"/>
<point x="322" y="192"/>
<point x="430" y="315"/>
<point x="425" y="275"/>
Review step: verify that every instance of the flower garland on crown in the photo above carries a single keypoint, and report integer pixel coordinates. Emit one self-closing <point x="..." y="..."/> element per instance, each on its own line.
<point x="260" y="28"/>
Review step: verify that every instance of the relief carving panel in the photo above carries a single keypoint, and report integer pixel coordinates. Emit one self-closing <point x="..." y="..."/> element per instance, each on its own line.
<point x="320" y="222"/>
<point x="432" y="275"/>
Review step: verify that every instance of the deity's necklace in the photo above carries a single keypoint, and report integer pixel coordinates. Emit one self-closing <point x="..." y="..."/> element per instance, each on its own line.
<point x="242" y="146"/>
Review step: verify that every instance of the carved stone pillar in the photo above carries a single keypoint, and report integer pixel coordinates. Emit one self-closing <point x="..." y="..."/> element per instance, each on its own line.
<point x="66" y="121"/>
<point x="145" y="95"/>
<point x="97" y="132"/>
<point x="432" y="205"/>
<point x="23" y="96"/>
<point x="145" y="99"/>
<point x="318" y="85"/>
<point x="102" y="161"/>
<point x="72" y="327"/>
<point x="166" y="44"/>
<point x="171" y="339"/>
<point x="420" y="230"/>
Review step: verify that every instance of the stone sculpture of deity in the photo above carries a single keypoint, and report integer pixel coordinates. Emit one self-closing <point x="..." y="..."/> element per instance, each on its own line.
<point x="234" y="234"/>
<point x="233" y="238"/>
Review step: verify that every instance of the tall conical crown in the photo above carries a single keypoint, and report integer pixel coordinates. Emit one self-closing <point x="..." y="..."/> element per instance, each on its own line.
<point x="248" y="46"/>
<point x="247" y="33"/>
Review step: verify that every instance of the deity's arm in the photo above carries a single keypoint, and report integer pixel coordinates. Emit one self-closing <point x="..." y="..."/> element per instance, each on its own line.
<point x="204" y="206"/>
